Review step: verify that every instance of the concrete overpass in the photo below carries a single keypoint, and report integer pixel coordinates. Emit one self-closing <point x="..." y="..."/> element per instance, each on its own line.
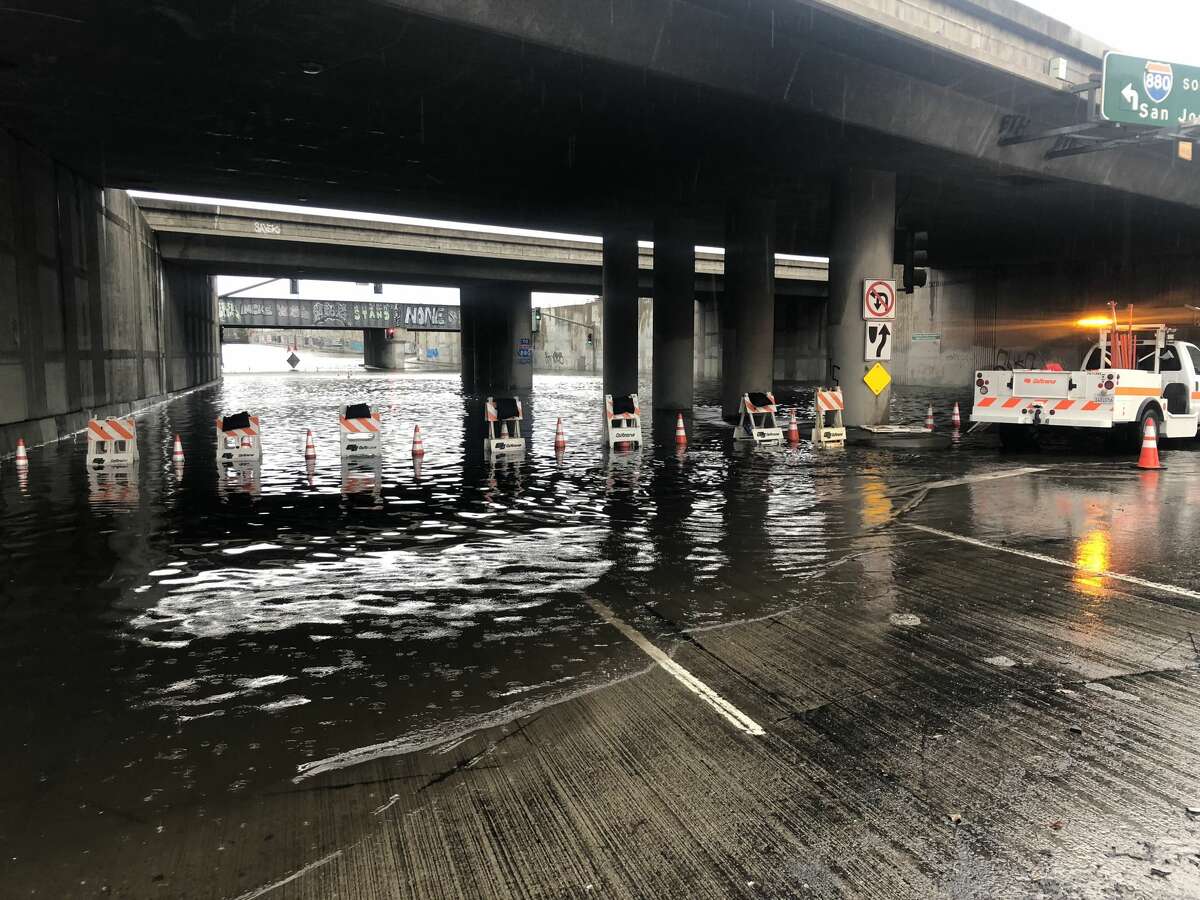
<point x="801" y="126"/>
<point x="235" y="239"/>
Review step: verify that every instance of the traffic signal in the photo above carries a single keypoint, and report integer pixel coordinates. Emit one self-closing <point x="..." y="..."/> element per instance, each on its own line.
<point x="536" y="325"/>
<point x="389" y="333"/>
<point x="915" y="259"/>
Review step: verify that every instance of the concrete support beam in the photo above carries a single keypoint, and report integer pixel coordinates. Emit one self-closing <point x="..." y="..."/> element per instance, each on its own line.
<point x="620" y="299"/>
<point x="497" y="346"/>
<point x="748" y="311"/>
<point x="861" y="246"/>
<point x="381" y="353"/>
<point x="674" y="313"/>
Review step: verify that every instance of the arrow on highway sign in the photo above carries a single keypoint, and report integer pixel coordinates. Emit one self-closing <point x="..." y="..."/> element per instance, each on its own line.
<point x="1143" y="91"/>
<point x="879" y="345"/>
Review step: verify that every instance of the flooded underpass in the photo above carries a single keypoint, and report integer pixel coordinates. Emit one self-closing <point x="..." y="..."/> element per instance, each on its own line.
<point x="702" y="673"/>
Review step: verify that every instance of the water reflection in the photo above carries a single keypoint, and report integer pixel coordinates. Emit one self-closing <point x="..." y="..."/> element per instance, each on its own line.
<point x="296" y="613"/>
<point x="1092" y="555"/>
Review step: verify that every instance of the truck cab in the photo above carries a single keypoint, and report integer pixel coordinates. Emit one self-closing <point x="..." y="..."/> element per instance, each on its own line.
<point x="1178" y="366"/>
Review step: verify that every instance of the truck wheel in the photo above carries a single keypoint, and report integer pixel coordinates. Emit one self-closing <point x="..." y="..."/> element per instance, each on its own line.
<point x="1128" y="438"/>
<point x="1015" y="438"/>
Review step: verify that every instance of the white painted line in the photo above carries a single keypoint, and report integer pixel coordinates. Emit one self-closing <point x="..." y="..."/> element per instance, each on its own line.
<point x="391" y="801"/>
<point x="267" y="888"/>
<point x="986" y="476"/>
<point x="1054" y="561"/>
<point x="731" y="713"/>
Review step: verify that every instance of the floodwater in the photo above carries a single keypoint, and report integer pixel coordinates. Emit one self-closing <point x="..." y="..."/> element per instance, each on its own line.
<point x="174" y="641"/>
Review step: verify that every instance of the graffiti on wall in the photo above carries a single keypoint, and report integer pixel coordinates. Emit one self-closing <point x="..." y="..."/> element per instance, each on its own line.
<point x="290" y="313"/>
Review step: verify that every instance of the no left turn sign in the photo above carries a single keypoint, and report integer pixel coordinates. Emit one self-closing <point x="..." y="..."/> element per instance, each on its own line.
<point x="879" y="300"/>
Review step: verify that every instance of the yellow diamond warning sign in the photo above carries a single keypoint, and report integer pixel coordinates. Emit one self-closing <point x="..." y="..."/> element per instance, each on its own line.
<point x="877" y="379"/>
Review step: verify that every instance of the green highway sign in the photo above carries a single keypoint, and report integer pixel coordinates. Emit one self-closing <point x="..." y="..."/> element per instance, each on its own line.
<point x="1142" y="91"/>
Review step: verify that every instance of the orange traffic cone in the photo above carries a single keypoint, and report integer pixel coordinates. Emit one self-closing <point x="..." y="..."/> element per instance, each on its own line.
<point x="929" y="418"/>
<point x="310" y="450"/>
<point x="22" y="458"/>
<point x="680" y="434"/>
<point x="1149" y="455"/>
<point x="560" y="438"/>
<point x="793" y="430"/>
<point x="956" y="419"/>
<point x="177" y="451"/>
<point x="418" y="448"/>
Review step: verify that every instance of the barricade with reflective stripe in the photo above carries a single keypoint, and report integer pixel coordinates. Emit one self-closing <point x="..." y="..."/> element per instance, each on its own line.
<point x="239" y="444"/>
<point x="758" y="423"/>
<point x="623" y="427"/>
<point x="112" y="442"/>
<point x="830" y="401"/>
<point x="829" y="430"/>
<point x="360" y="426"/>
<point x="496" y="442"/>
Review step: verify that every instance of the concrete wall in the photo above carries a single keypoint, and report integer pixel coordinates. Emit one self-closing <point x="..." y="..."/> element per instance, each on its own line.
<point x="90" y="320"/>
<point x="560" y="344"/>
<point x="977" y="313"/>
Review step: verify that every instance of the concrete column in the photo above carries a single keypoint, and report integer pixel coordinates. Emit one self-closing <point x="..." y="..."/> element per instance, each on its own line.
<point x="380" y="353"/>
<point x="620" y="310"/>
<point x="497" y="345"/>
<point x="749" y="302"/>
<point x="468" y="312"/>
<point x="861" y="246"/>
<point x="674" y="322"/>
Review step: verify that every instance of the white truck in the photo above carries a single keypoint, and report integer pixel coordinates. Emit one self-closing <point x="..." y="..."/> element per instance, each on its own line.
<point x="1158" y="378"/>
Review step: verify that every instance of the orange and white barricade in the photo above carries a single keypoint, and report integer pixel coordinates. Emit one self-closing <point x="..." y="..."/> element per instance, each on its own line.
<point x="112" y="442"/>
<point x="503" y="437"/>
<point x="361" y="435"/>
<point x="623" y="421"/>
<point x="239" y="438"/>
<point x="757" y="419"/>
<point x="830" y="428"/>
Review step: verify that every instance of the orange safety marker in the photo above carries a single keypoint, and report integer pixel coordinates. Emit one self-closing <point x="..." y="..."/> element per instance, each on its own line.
<point x="680" y="433"/>
<point x="1149" y="456"/>
<point x="310" y="450"/>
<point x="22" y="457"/>
<point x="560" y="438"/>
<point x="177" y="451"/>
<point x="793" y="434"/>
<point x="956" y="419"/>
<point x="929" y="418"/>
<point x="418" y="446"/>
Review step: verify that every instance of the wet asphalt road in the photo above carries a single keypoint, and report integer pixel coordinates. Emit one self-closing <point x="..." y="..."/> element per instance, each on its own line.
<point x="765" y="673"/>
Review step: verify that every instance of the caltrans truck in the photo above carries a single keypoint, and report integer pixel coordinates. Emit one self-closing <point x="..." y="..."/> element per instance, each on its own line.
<point x="1133" y="373"/>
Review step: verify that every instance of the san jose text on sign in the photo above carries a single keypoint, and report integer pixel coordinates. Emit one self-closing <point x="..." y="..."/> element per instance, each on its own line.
<point x="1143" y="91"/>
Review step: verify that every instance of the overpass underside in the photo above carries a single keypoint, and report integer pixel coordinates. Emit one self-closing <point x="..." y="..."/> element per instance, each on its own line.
<point x="799" y="127"/>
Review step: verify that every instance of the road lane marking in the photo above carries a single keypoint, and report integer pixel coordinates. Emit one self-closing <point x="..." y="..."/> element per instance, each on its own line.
<point x="299" y="873"/>
<point x="731" y="713"/>
<point x="923" y="491"/>
<point x="1054" y="561"/>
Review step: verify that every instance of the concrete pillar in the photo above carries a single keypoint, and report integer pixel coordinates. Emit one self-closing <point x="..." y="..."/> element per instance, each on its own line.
<point x="380" y="353"/>
<point x="497" y="344"/>
<point x="619" y="287"/>
<point x="749" y="301"/>
<point x="468" y="314"/>
<point x="674" y="322"/>
<point x="861" y="246"/>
